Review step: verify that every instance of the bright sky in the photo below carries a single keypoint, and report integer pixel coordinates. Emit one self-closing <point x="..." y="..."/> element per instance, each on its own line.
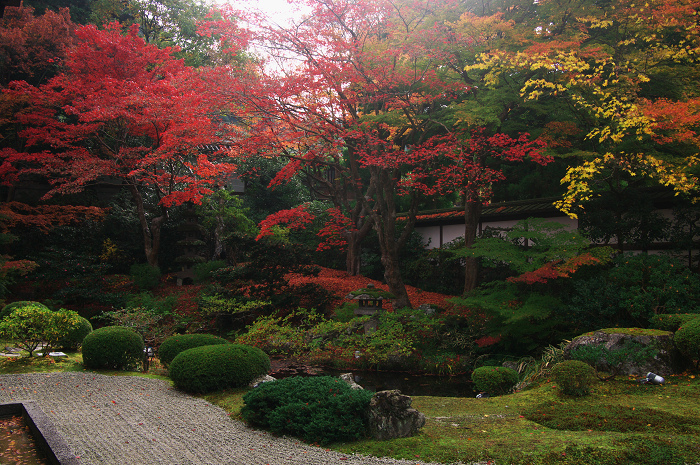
<point x="280" y="10"/>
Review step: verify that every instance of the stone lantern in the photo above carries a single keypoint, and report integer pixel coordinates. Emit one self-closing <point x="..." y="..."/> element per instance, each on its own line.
<point x="369" y="301"/>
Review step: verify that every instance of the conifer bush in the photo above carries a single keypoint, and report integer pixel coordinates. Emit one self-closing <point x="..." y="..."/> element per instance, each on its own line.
<point x="215" y="367"/>
<point x="574" y="377"/>
<point x="173" y="345"/>
<point x="494" y="380"/>
<point x="113" y="347"/>
<point x="319" y="409"/>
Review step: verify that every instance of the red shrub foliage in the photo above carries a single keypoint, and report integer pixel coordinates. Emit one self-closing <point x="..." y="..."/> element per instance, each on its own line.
<point x="340" y="284"/>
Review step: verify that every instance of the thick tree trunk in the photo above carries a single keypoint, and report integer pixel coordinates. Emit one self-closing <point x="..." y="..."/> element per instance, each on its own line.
<point x="384" y="223"/>
<point x="353" y="255"/>
<point x="392" y="276"/>
<point x="151" y="232"/>
<point x="472" y="214"/>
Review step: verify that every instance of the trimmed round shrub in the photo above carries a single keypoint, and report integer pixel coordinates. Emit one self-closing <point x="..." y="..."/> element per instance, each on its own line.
<point x="574" y="377"/>
<point x="216" y="367"/>
<point x="76" y="335"/>
<point x="671" y="321"/>
<point x="113" y="347"/>
<point x="687" y="339"/>
<point x="11" y="307"/>
<point x="494" y="380"/>
<point x="319" y="409"/>
<point x="173" y="345"/>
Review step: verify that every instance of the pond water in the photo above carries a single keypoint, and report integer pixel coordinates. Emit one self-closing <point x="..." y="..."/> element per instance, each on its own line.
<point x="412" y="385"/>
<point x="17" y="446"/>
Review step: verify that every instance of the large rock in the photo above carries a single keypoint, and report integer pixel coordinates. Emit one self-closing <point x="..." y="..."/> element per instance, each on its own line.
<point x="391" y="416"/>
<point x="667" y="360"/>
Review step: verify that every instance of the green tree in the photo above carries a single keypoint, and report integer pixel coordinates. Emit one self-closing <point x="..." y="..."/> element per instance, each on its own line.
<point x="32" y="326"/>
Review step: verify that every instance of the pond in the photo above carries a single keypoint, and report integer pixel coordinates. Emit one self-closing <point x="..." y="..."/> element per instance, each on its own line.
<point x="412" y="385"/>
<point x="17" y="446"/>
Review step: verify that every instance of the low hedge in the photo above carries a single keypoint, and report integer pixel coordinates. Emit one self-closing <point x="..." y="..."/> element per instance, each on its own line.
<point x="494" y="380"/>
<point x="215" y="367"/>
<point x="113" y="347"/>
<point x="319" y="409"/>
<point x="173" y="345"/>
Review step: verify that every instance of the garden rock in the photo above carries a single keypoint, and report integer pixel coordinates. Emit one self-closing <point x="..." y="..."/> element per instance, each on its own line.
<point x="391" y="416"/>
<point x="667" y="361"/>
<point x="262" y="379"/>
<point x="348" y="378"/>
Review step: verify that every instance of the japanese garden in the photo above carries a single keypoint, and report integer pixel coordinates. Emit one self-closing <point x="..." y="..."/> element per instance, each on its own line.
<point x="368" y="231"/>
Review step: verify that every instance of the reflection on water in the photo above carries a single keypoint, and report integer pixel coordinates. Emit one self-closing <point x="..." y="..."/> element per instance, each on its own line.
<point x="412" y="385"/>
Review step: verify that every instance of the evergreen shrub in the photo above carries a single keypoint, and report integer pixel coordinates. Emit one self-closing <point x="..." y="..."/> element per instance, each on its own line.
<point x="319" y="409"/>
<point x="145" y="276"/>
<point x="173" y="345"/>
<point x="203" y="271"/>
<point x="687" y="339"/>
<point x="75" y="337"/>
<point x="113" y="347"/>
<point x="9" y="308"/>
<point x="574" y="377"/>
<point x="494" y="380"/>
<point x="671" y="321"/>
<point x="215" y="367"/>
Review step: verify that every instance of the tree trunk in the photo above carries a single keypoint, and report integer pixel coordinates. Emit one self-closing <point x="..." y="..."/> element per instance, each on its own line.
<point x="384" y="223"/>
<point x="150" y="232"/>
<point x="472" y="214"/>
<point x="392" y="276"/>
<point x="353" y="255"/>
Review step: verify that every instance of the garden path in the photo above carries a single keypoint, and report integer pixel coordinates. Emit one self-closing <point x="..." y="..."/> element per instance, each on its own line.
<point x="125" y="420"/>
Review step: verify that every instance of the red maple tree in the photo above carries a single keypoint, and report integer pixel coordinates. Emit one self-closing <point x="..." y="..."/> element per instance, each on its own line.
<point x="126" y="113"/>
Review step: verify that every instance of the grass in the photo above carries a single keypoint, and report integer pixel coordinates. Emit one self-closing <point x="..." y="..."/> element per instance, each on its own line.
<point x="622" y="422"/>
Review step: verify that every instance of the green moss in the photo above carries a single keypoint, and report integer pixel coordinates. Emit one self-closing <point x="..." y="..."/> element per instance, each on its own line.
<point x="631" y="332"/>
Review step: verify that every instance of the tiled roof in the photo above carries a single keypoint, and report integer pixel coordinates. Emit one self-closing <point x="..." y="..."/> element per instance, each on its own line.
<point x="502" y="210"/>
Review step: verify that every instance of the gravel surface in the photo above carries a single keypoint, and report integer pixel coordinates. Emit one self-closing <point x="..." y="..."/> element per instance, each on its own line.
<point x="125" y="420"/>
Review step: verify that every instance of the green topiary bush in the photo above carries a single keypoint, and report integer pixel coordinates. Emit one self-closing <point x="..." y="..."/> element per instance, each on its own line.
<point x="494" y="380"/>
<point x="173" y="345"/>
<point x="671" y="321"/>
<point x="687" y="339"/>
<point x="9" y="308"/>
<point x="113" y="347"/>
<point x="319" y="409"/>
<point x="574" y="377"/>
<point x="215" y="367"/>
<point x="75" y="337"/>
